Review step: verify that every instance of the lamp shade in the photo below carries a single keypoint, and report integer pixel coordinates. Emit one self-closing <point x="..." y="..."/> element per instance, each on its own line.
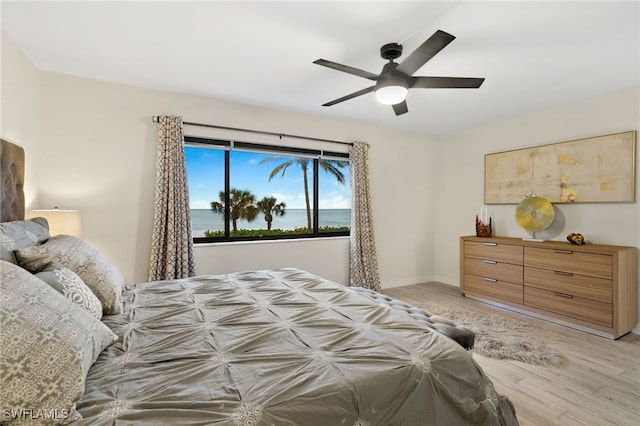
<point x="65" y="222"/>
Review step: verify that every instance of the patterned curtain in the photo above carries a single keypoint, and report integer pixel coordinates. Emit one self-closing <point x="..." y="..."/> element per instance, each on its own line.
<point x="364" y="262"/>
<point x="171" y="243"/>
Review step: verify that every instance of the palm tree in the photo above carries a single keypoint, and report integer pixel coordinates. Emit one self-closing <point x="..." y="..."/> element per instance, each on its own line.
<point x="331" y="166"/>
<point x="241" y="206"/>
<point x="270" y="206"/>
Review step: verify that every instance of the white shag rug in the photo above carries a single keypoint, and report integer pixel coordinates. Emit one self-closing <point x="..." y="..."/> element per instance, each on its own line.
<point x="502" y="337"/>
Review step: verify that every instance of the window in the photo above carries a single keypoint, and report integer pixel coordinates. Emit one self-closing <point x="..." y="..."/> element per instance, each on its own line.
<point x="244" y="191"/>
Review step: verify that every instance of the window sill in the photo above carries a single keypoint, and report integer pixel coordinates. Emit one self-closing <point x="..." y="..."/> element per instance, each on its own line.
<point x="273" y="241"/>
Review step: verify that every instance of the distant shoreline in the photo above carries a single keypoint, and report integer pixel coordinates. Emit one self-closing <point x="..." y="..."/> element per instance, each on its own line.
<point x="206" y="219"/>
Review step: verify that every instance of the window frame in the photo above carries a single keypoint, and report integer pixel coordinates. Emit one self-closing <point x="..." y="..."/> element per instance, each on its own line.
<point x="228" y="146"/>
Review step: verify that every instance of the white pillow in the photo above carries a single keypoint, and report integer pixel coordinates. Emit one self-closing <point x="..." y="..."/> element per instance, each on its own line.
<point x="100" y="275"/>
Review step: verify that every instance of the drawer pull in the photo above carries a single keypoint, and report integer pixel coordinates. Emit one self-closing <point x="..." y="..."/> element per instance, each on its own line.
<point x="568" y="296"/>
<point x="491" y="262"/>
<point x="563" y="251"/>
<point x="493" y="280"/>
<point x="490" y="244"/>
<point x="566" y="274"/>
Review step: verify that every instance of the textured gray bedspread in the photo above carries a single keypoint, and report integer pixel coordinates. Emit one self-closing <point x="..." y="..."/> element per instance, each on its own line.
<point x="280" y="347"/>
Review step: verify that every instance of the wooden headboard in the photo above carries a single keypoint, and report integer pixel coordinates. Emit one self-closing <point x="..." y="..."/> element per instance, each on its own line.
<point x="12" y="178"/>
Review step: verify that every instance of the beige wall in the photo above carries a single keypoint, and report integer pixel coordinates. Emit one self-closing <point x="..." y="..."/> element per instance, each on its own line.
<point x="91" y="145"/>
<point x="460" y="171"/>
<point x="460" y="176"/>
<point x="20" y="110"/>
<point x="99" y="157"/>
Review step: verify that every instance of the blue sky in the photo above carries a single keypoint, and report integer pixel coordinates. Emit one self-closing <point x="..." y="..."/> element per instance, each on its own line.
<point x="206" y="179"/>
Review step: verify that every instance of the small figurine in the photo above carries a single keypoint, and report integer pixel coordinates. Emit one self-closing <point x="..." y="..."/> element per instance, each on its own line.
<point x="576" y="239"/>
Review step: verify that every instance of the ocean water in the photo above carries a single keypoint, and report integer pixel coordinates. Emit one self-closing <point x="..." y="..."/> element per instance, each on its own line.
<point x="205" y="219"/>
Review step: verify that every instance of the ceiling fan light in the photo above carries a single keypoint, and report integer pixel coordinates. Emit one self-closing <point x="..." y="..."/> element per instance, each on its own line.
<point x="391" y="95"/>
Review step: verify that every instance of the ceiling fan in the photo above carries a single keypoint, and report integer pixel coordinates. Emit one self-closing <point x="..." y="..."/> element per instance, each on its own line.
<point x="395" y="79"/>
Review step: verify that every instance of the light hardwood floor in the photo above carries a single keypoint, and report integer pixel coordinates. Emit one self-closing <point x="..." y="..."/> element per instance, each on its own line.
<point x="600" y="386"/>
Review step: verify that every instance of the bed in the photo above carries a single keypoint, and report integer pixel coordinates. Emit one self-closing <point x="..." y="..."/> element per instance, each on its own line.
<point x="269" y="347"/>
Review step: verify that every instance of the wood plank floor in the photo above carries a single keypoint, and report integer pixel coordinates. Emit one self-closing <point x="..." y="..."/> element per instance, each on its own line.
<point x="600" y="386"/>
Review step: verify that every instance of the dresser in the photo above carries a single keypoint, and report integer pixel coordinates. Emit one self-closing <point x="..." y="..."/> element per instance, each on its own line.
<point x="592" y="287"/>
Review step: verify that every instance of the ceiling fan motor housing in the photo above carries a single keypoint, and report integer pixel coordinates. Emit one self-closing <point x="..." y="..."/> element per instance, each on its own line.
<point x="391" y="51"/>
<point x="392" y="85"/>
<point x="389" y="76"/>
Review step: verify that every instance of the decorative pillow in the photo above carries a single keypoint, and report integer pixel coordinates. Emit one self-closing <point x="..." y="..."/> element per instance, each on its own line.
<point x="96" y="271"/>
<point x="21" y="234"/>
<point x="46" y="348"/>
<point x="71" y="286"/>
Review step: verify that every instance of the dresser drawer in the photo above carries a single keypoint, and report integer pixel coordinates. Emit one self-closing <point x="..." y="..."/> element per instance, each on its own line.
<point x="593" y="288"/>
<point x="494" y="251"/>
<point x="575" y="307"/>
<point x="504" y="290"/>
<point x="493" y="269"/>
<point x="595" y="265"/>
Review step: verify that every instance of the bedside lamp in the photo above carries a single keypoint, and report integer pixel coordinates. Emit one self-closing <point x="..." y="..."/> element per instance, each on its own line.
<point x="60" y="221"/>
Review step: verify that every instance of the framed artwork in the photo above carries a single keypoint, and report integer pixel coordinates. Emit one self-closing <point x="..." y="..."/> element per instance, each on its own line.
<point x="599" y="169"/>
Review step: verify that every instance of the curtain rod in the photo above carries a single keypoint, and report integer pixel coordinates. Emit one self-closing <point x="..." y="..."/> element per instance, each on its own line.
<point x="156" y="119"/>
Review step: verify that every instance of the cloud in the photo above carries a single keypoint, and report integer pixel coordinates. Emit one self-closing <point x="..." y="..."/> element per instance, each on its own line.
<point x="337" y="201"/>
<point x="281" y="197"/>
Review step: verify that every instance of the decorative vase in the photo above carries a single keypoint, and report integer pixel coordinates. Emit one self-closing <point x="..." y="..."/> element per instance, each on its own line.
<point x="483" y="229"/>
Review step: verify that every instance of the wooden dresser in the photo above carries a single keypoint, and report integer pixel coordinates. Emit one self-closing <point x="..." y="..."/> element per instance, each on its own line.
<point x="590" y="287"/>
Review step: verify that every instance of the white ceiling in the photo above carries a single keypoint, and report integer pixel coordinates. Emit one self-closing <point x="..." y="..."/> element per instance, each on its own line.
<point x="534" y="55"/>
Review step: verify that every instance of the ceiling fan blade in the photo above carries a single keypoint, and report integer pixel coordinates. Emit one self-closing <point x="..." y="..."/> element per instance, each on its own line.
<point x="400" y="108"/>
<point x="350" y="96"/>
<point x="425" y="51"/>
<point x="445" y="82"/>
<point x="347" y="69"/>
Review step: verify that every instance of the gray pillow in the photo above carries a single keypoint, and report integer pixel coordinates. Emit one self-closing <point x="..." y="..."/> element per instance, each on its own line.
<point x="100" y="275"/>
<point x="21" y="234"/>
<point x="71" y="286"/>
<point x="46" y="349"/>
